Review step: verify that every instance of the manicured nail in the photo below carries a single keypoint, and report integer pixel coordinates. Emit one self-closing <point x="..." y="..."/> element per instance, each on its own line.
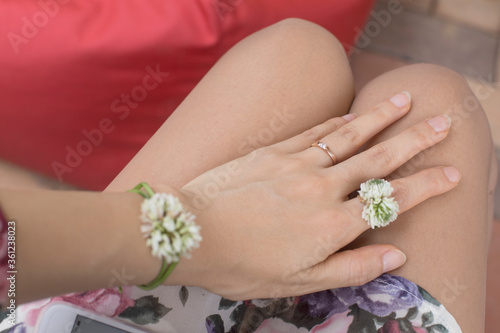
<point x="401" y="100"/>
<point x="393" y="259"/>
<point x="440" y="123"/>
<point x="349" y="117"/>
<point x="452" y="174"/>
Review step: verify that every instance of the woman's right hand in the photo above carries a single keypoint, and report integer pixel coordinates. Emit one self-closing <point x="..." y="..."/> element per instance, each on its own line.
<point x="273" y="221"/>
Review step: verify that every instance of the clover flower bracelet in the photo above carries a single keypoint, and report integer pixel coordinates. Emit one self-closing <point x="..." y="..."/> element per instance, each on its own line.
<point x="169" y="229"/>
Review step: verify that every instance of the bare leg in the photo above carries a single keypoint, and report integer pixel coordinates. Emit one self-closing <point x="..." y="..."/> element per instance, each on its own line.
<point x="445" y="238"/>
<point x="272" y="85"/>
<point x="298" y="67"/>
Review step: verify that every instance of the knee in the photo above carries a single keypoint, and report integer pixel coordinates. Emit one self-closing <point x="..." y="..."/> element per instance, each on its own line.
<point x="308" y="36"/>
<point x="435" y="91"/>
<point x="435" y="85"/>
<point x="310" y="48"/>
<point x="438" y="90"/>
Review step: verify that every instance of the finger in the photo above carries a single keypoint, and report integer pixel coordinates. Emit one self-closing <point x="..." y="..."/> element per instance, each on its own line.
<point x="412" y="190"/>
<point x="355" y="267"/>
<point x="385" y="157"/>
<point x="408" y="192"/>
<point x="304" y="140"/>
<point x="347" y="140"/>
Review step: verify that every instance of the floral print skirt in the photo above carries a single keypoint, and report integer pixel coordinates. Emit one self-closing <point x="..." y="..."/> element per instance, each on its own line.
<point x="387" y="304"/>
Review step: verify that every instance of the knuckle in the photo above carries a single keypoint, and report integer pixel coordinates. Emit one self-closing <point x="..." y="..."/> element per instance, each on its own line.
<point x="265" y="155"/>
<point x="265" y="152"/>
<point x="313" y="185"/>
<point x="384" y="111"/>
<point x="382" y="155"/>
<point x="350" y="134"/>
<point x="320" y="185"/>
<point x="318" y="132"/>
<point x="420" y="139"/>
<point x="342" y="175"/>
<point x="292" y="164"/>
<point x="359" y="273"/>
<point x="403" y="195"/>
<point x="348" y="227"/>
<point x="335" y="122"/>
<point x="313" y="134"/>
<point x="269" y="152"/>
<point x="380" y="109"/>
<point x="436" y="181"/>
<point x="324" y="218"/>
<point x="387" y="112"/>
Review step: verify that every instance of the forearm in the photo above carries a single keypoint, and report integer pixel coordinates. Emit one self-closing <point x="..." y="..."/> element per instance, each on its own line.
<point x="71" y="241"/>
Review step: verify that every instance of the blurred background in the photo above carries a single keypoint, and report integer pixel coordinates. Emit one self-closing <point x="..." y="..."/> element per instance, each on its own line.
<point x="463" y="35"/>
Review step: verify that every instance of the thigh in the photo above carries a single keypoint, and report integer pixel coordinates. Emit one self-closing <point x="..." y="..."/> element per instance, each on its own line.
<point x="445" y="238"/>
<point x="272" y="85"/>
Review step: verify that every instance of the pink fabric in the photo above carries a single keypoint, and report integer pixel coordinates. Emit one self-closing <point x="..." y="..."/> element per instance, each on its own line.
<point x="108" y="302"/>
<point x="85" y="83"/>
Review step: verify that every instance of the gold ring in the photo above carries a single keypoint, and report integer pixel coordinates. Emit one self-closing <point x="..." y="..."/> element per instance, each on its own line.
<point x="327" y="150"/>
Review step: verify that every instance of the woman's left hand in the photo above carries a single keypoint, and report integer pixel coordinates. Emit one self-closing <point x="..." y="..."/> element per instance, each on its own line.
<point x="273" y="221"/>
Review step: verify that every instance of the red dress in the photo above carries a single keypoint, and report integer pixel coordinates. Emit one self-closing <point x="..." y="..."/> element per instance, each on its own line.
<point x="85" y="83"/>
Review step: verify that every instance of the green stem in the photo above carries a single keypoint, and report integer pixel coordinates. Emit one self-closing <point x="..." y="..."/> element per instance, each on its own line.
<point x="146" y="193"/>
<point x="165" y="271"/>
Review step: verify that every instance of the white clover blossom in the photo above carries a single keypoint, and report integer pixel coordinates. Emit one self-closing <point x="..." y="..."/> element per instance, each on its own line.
<point x="170" y="230"/>
<point x="380" y="208"/>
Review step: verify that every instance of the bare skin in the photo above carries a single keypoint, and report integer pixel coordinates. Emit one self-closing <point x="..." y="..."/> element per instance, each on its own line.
<point x="445" y="238"/>
<point x="292" y="76"/>
<point x="274" y="226"/>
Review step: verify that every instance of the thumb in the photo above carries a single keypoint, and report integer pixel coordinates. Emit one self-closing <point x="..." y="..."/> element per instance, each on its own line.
<point x="358" y="266"/>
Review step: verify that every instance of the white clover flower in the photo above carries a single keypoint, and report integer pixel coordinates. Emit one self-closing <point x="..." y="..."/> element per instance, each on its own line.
<point x="169" y="229"/>
<point x="380" y="208"/>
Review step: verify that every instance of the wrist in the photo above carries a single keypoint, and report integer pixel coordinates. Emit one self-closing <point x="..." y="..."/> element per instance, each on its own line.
<point x="169" y="231"/>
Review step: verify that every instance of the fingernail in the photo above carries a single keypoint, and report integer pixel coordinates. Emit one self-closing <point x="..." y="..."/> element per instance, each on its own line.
<point x="349" y="117"/>
<point x="393" y="259"/>
<point x="401" y="99"/>
<point x="440" y="123"/>
<point x="452" y="174"/>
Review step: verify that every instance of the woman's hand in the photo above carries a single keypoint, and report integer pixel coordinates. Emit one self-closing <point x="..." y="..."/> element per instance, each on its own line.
<point x="273" y="221"/>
